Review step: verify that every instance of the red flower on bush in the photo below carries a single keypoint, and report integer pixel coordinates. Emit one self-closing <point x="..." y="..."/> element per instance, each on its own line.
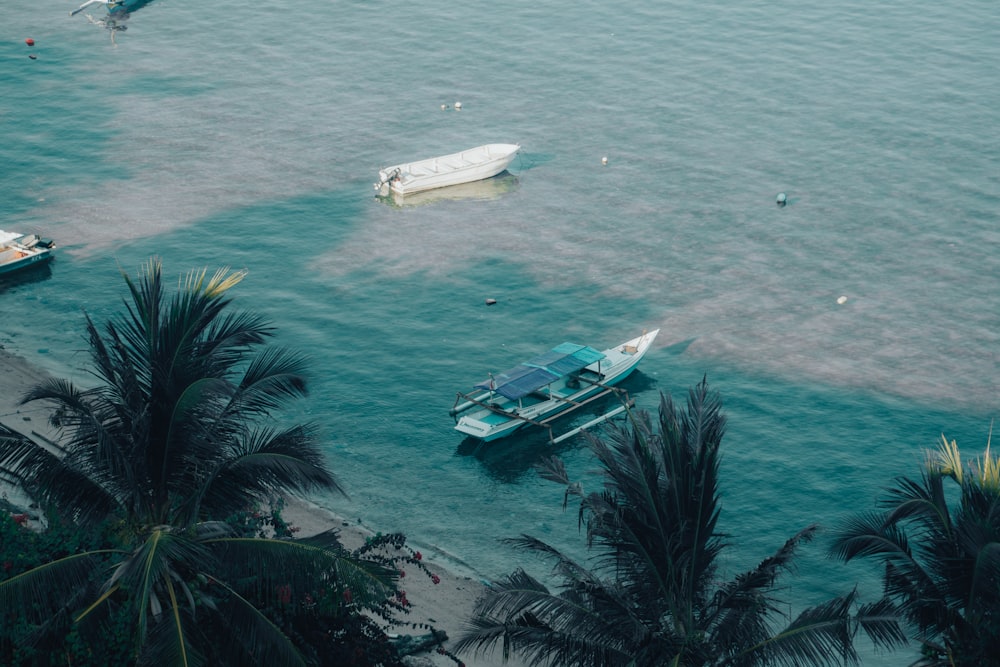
<point x="348" y="596"/>
<point x="284" y="594"/>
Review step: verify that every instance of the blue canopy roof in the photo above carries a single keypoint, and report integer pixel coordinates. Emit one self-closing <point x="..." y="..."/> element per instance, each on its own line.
<point x="541" y="370"/>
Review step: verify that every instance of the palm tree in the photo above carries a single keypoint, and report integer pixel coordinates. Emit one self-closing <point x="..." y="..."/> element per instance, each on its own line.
<point x="176" y="436"/>
<point x="940" y="549"/>
<point x="653" y="596"/>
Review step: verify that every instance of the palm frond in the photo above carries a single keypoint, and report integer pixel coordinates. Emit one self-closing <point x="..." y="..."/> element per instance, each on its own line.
<point x="302" y="563"/>
<point x="538" y="645"/>
<point x="261" y="464"/>
<point x="251" y="637"/>
<point x="540" y="625"/>
<point x="174" y="640"/>
<point x="867" y="534"/>
<point x="52" y="480"/>
<point x="150" y="567"/>
<point x="880" y="621"/>
<point x="821" y="635"/>
<point x="563" y="565"/>
<point x="740" y="611"/>
<point x="43" y="589"/>
<point x="274" y="375"/>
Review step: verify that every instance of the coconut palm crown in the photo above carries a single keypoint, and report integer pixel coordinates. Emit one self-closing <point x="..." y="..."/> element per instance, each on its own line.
<point x="654" y="595"/>
<point x="177" y="435"/>
<point x="937" y="539"/>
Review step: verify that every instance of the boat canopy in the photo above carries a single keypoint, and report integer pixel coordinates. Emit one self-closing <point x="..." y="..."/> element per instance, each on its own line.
<point x="544" y="369"/>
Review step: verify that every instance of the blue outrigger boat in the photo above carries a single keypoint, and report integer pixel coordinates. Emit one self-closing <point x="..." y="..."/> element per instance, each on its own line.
<point x="548" y="386"/>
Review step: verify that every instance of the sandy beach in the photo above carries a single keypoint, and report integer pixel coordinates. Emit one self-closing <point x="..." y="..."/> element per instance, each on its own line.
<point x="443" y="606"/>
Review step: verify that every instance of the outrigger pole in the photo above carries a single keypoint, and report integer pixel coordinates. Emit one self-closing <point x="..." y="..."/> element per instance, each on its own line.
<point x="87" y="4"/>
<point x="627" y="403"/>
<point x="593" y="422"/>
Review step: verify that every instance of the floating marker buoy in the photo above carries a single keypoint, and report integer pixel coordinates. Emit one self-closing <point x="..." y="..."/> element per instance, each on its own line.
<point x="842" y="300"/>
<point x="29" y="42"/>
<point x="444" y="107"/>
<point x="458" y="106"/>
<point x="604" y="160"/>
<point x="490" y="302"/>
<point x="781" y="200"/>
<point x="33" y="56"/>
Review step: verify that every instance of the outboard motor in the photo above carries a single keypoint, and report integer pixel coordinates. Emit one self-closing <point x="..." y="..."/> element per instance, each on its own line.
<point x="382" y="187"/>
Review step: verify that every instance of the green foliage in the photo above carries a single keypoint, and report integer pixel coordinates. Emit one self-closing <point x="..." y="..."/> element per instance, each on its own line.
<point x="938" y="540"/>
<point x="654" y="595"/>
<point x="27" y="637"/>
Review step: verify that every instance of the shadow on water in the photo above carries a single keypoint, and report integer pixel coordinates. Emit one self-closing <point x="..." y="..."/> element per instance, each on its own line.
<point x="33" y="274"/>
<point x="486" y="189"/>
<point x="507" y="460"/>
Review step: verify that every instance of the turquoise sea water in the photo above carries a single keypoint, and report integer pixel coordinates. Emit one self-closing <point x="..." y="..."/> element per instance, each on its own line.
<point x="250" y="135"/>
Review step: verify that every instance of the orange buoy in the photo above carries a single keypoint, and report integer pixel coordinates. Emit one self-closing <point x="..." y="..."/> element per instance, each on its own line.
<point x="29" y="42"/>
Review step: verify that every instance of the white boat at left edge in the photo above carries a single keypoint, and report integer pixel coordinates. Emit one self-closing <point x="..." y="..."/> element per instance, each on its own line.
<point x="20" y="251"/>
<point x="473" y="164"/>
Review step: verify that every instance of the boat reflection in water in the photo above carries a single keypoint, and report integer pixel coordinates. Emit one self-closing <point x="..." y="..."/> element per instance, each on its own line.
<point x="119" y="11"/>
<point x="490" y="188"/>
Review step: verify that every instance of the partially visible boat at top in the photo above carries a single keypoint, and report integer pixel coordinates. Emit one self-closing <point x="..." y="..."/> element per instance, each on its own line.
<point x="539" y="390"/>
<point x="118" y="13"/>
<point x="466" y="166"/>
<point x="113" y="6"/>
<point x="21" y="251"/>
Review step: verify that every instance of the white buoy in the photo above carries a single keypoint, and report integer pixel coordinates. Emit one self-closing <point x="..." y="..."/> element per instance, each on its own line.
<point x="842" y="300"/>
<point x="491" y="302"/>
<point x="604" y="160"/>
<point x="782" y="199"/>
<point x="458" y="106"/>
<point x="444" y="107"/>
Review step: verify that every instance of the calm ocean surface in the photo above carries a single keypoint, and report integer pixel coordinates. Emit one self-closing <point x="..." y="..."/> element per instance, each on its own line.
<point x="249" y="135"/>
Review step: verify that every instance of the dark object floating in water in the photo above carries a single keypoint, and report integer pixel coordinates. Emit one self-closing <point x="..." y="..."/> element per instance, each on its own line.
<point x="781" y="200"/>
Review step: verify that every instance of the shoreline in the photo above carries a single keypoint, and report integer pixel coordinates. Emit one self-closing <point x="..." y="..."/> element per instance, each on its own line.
<point x="444" y="606"/>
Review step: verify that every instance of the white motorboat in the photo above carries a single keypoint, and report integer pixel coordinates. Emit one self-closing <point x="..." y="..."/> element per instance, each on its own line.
<point x="548" y="386"/>
<point x="20" y="251"/>
<point x="466" y="166"/>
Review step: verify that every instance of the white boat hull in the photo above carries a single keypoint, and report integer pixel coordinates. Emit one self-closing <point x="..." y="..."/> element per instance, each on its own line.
<point x="474" y="164"/>
<point x="503" y="416"/>
<point x="21" y="251"/>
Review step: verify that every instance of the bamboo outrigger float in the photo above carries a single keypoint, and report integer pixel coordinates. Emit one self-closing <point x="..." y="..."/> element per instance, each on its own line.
<point x="538" y="391"/>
